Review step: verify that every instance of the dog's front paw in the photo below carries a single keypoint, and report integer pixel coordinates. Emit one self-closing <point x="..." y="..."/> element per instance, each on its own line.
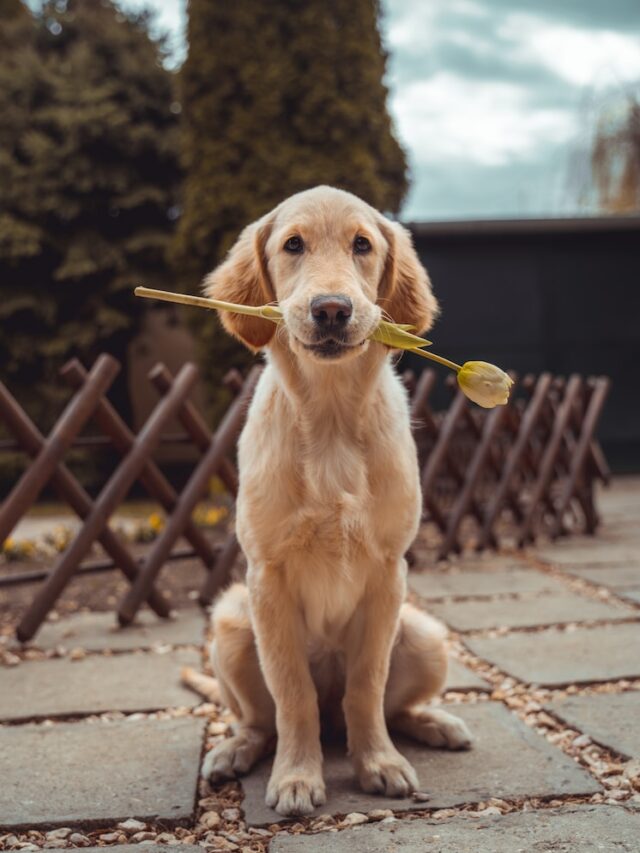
<point x="295" y="793"/>
<point x="386" y="773"/>
<point x="438" y="728"/>
<point x="232" y="757"/>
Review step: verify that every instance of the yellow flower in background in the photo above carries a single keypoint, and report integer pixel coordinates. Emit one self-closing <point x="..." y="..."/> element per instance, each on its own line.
<point x="209" y="516"/>
<point x="156" y="522"/>
<point x="485" y="384"/>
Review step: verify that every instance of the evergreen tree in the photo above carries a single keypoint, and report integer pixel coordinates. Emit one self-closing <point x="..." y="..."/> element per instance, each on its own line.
<point x="89" y="177"/>
<point x="276" y="97"/>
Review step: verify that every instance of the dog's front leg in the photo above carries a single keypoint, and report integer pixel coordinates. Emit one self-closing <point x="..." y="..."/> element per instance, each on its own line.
<point x="379" y="766"/>
<point x="296" y="785"/>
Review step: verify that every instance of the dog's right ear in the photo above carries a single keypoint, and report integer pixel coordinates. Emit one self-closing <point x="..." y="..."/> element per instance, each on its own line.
<point x="243" y="278"/>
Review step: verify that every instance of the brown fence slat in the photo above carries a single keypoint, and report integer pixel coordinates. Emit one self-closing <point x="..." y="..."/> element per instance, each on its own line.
<point x="223" y="440"/>
<point x="71" y="421"/>
<point x="533" y="464"/>
<point x="150" y="476"/>
<point x="106" y="503"/>
<point x="575" y="485"/>
<point x="71" y="491"/>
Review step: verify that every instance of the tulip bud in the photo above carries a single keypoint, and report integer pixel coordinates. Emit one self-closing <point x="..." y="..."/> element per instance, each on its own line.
<point x="484" y="383"/>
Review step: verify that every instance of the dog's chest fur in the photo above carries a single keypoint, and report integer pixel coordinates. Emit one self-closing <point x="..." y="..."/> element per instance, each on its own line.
<point x="331" y="501"/>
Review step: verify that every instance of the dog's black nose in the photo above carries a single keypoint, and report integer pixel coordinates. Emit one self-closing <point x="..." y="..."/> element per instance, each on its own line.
<point x="332" y="310"/>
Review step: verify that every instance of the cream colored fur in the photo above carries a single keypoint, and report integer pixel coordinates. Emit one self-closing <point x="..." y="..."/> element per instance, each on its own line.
<point x="329" y="502"/>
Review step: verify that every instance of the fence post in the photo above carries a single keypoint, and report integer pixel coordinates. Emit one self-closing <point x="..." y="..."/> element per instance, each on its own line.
<point x="73" y="418"/>
<point x="223" y="440"/>
<point x="108" y="500"/>
<point x="70" y="490"/>
<point x="151" y="477"/>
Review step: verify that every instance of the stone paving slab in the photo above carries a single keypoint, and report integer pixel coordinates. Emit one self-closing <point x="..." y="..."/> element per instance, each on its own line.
<point x="430" y="585"/>
<point x="97" y="773"/>
<point x="508" y="760"/>
<point x="99" y="631"/>
<point x="555" y="658"/>
<point x="610" y="719"/>
<point x="616" y="577"/>
<point x="460" y="677"/>
<point x="631" y="593"/>
<point x="578" y="829"/>
<point x="490" y="561"/>
<point x="597" y="552"/>
<point x="127" y="682"/>
<point x="527" y="611"/>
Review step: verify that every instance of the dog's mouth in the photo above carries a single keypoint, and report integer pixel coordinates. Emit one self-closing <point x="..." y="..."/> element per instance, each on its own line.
<point x="332" y="348"/>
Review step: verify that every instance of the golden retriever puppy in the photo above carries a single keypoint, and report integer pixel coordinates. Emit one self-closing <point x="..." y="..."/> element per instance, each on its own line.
<point x="329" y="502"/>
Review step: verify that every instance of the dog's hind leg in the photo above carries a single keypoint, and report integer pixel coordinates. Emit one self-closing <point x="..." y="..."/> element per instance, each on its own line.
<point x="417" y="673"/>
<point x="235" y="662"/>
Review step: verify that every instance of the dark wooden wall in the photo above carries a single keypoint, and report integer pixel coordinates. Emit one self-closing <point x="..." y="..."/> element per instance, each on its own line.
<point x="557" y="295"/>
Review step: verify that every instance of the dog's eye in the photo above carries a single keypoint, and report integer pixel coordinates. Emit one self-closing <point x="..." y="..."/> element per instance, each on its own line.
<point x="295" y="245"/>
<point x="361" y="245"/>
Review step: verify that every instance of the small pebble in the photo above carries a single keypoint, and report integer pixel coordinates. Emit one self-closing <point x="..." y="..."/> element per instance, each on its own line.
<point x="79" y="840"/>
<point x="231" y="814"/>
<point x="219" y="842"/>
<point x="379" y="814"/>
<point x="210" y="819"/>
<point x="132" y="825"/>
<point x="143" y="836"/>
<point x="353" y="819"/>
<point x="490" y="810"/>
<point x="165" y="837"/>
<point x="110" y="837"/>
<point x="421" y="796"/>
<point x="63" y="832"/>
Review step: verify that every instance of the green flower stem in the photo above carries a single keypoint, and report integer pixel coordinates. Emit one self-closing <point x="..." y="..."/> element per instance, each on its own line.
<point x="266" y="312"/>
<point x="445" y="361"/>
<point x="390" y="334"/>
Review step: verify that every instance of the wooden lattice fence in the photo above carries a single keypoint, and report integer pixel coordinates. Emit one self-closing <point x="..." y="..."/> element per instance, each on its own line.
<point x="516" y="472"/>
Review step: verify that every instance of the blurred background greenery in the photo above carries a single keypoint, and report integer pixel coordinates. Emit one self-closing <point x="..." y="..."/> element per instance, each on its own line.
<point x="118" y="168"/>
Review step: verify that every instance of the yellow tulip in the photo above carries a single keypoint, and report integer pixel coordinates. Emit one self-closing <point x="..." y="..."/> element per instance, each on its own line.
<point x="484" y="383"/>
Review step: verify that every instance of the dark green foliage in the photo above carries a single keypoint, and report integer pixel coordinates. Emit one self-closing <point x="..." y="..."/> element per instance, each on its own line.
<point x="89" y="174"/>
<point x="277" y="97"/>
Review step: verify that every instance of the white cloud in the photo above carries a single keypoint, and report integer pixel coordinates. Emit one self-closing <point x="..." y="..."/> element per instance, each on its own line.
<point x="447" y="117"/>
<point x="582" y="57"/>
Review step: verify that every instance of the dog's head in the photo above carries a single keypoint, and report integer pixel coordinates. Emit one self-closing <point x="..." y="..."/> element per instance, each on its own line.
<point x="334" y="265"/>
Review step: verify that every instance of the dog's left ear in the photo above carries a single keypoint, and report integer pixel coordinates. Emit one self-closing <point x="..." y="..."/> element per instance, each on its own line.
<point x="405" y="293"/>
<point x="243" y="278"/>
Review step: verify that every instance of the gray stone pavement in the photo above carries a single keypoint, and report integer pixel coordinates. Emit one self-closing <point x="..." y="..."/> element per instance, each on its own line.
<point x="582" y="829"/>
<point x="555" y="658"/>
<point x="93" y="773"/>
<point x="595" y="552"/>
<point x="608" y="718"/>
<point x="481" y="581"/>
<point x="65" y="687"/>
<point x="90" y="773"/>
<point x="460" y="677"/>
<point x="528" y="611"/>
<point x="100" y="631"/>
<point x="614" y="577"/>
<point x="508" y="760"/>
<point x="630" y="593"/>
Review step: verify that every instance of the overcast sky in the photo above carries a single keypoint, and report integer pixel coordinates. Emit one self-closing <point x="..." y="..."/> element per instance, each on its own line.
<point x="493" y="99"/>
